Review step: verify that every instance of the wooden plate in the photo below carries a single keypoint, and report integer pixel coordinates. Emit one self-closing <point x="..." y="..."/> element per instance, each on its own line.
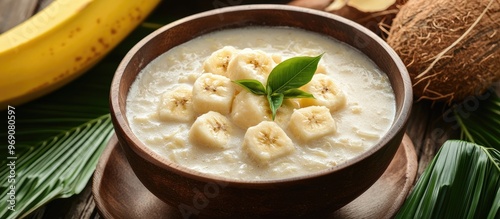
<point x="119" y="194"/>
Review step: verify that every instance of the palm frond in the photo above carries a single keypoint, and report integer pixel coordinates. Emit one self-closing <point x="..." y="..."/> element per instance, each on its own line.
<point x="462" y="181"/>
<point x="481" y="123"/>
<point x="57" y="144"/>
<point x="58" y="167"/>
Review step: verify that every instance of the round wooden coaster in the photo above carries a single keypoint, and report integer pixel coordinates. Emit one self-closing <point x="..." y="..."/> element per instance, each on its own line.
<point x="118" y="193"/>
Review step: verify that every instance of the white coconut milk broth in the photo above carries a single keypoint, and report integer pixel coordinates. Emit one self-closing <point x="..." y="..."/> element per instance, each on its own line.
<point x="367" y="115"/>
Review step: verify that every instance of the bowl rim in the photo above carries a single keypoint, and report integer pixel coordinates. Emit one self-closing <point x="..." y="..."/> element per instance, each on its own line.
<point x="121" y="123"/>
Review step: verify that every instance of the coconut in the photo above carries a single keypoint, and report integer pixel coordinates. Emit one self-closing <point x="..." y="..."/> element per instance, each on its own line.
<point x="451" y="47"/>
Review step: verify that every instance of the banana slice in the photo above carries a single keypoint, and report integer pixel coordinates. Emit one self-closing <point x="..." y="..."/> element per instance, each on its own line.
<point x="249" y="109"/>
<point x="250" y="64"/>
<point x="212" y="92"/>
<point x="321" y="69"/>
<point x="211" y="130"/>
<point x="218" y="61"/>
<point x="177" y="105"/>
<point x="266" y="142"/>
<point x="277" y="58"/>
<point x="311" y="123"/>
<point x="325" y="92"/>
<point x="285" y="111"/>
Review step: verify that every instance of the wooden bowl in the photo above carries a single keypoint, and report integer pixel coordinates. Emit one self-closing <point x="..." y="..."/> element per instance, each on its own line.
<point x="194" y="193"/>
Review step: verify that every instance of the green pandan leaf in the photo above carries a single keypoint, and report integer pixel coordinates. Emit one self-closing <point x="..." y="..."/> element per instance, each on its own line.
<point x="292" y="73"/>
<point x="252" y="85"/>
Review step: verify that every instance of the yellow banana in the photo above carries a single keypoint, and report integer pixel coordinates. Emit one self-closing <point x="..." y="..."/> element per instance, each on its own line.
<point x="61" y="42"/>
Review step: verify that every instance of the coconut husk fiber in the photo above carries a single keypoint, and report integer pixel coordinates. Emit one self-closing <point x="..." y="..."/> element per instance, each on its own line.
<point x="450" y="47"/>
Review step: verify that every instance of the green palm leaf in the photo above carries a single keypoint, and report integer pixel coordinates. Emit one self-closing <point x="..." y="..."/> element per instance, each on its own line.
<point x="482" y="124"/>
<point x="462" y="181"/>
<point x="58" y="142"/>
<point x="59" y="167"/>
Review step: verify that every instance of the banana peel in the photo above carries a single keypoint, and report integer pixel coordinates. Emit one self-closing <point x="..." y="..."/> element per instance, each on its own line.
<point x="62" y="42"/>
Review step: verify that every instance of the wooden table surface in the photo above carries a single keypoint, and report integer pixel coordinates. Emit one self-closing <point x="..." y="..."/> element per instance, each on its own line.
<point x="428" y="127"/>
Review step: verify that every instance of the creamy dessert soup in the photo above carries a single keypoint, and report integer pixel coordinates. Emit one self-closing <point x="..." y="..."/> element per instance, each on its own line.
<point x="185" y="107"/>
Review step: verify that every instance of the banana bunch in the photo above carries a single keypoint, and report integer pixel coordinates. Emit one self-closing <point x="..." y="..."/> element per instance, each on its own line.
<point x="61" y="42"/>
<point x="219" y="108"/>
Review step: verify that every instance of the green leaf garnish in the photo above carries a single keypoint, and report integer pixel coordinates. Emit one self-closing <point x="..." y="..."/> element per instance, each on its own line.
<point x="275" y="101"/>
<point x="252" y="85"/>
<point x="297" y="93"/>
<point x="284" y="81"/>
<point x="292" y="73"/>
